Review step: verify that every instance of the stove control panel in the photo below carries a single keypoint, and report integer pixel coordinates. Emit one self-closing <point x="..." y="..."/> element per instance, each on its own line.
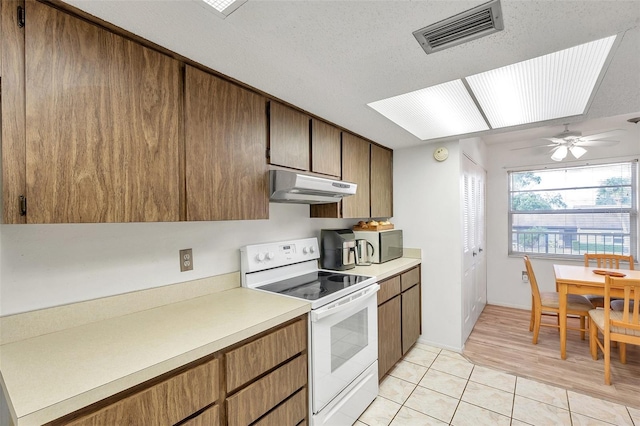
<point x="258" y="257"/>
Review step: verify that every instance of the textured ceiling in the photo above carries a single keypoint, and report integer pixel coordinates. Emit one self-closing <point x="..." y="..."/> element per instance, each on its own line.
<point x="331" y="58"/>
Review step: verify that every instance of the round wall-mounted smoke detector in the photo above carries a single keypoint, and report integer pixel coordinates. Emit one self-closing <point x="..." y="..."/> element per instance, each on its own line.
<point x="441" y="154"/>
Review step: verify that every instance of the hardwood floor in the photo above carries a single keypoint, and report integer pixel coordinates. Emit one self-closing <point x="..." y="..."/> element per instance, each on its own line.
<point x="501" y="339"/>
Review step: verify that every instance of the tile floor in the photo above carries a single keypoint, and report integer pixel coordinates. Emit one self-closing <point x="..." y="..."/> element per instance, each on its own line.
<point x="432" y="387"/>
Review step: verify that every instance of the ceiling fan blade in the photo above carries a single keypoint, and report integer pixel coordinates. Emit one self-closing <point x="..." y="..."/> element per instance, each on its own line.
<point x="536" y="145"/>
<point x="610" y="135"/>
<point x="596" y="143"/>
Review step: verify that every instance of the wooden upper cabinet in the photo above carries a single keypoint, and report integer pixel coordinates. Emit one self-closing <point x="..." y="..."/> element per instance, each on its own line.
<point x="381" y="182"/>
<point x="355" y="168"/>
<point x="325" y="149"/>
<point x="225" y="148"/>
<point x="103" y="124"/>
<point x="288" y="137"/>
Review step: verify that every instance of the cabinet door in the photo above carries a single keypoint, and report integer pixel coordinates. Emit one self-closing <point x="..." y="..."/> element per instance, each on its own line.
<point x="381" y="182"/>
<point x="288" y="137"/>
<point x="225" y="145"/>
<point x="325" y="149"/>
<point x="389" y="335"/>
<point x="355" y="168"/>
<point x="410" y="317"/>
<point x="12" y="134"/>
<point x="103" y="120"/>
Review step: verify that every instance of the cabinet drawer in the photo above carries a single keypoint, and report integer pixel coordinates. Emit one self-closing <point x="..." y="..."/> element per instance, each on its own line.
<point x="258" y="398"/>
<point x="291" y="412"/>
<point x="209" y="417"/>
<point x="251" y="360"/>
<point x="410" y="278"/>
<point x="388" y="289"/>
<point x="166" y="403"/>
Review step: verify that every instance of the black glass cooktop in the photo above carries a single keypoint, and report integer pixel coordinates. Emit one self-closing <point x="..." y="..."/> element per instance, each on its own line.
<point x="315" y="285"/>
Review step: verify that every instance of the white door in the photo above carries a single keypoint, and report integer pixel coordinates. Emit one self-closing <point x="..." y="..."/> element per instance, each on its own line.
<point x="474" y="275"/>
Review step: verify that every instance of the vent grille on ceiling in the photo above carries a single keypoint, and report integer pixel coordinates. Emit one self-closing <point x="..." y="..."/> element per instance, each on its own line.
<point x="466" y="26"/>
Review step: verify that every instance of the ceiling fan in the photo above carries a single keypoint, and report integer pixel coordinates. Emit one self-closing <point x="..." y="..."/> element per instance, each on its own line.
<point x="574" y="142"/>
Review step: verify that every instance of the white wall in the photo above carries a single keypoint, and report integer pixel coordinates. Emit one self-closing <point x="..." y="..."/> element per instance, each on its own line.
<point x="427" y="205"/>
<point x="504" y="283"/>
<point x="49" y="265"/>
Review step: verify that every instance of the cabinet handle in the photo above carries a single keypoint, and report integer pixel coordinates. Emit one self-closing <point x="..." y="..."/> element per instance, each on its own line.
<point x="21" y="17"/>
<point x="475" y="254"/>
<point x="23" y="205"/>
<point x="480" y="249"/>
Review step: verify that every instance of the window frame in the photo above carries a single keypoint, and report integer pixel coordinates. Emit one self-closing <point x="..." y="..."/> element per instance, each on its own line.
<point x="634" y="238"/>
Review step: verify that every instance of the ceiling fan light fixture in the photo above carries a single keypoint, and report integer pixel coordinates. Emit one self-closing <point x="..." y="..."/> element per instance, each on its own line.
<point x="577" y="151"/>
<point x="559" y="154"/>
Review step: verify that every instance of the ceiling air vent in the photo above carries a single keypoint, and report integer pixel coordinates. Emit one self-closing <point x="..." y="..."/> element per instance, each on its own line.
<point x="466" y="26"/>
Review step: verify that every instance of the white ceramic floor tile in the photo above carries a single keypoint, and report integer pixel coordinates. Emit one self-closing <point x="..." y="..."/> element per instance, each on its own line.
<point x="359" y="423"/>
<point x="408" y="417"/>
<point x="452" y="354"/>
<point x="420" y="357"/>
<point x="380" y="412"/>
<point x="515" y="422"/>
<point x="539" y="413"/>
<point x="580" y="420"/>
<point x="408" y="371"/>
<point x="445" y="383"/>
<point x="468" y="414"/>
<point x="494" y="378"/>
<point x="490" y="398"/>
<point x="427" y="347"/>
<point x="635" y="415"/>
<point x="542" y="392"/>
<point x="432" y="403"/>
<point x="599" y="409"/>
<point x="397" y="390"/>
<point x="453" y="365"/>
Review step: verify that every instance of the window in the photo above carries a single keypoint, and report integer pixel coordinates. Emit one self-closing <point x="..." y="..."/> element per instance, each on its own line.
<point x="574" y="210"/>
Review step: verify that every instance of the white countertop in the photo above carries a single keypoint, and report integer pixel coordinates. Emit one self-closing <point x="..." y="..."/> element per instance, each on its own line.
<point x="55" y="374"/>
<point x="385" y="270"/>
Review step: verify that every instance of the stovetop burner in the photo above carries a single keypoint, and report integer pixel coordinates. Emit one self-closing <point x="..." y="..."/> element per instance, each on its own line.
<point x="314" y="286"/>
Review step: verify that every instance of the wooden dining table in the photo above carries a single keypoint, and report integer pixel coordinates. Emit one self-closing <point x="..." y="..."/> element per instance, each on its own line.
<point x="581" y="280"/>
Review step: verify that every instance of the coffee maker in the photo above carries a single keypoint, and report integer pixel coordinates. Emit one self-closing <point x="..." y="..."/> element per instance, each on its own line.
<point x="337" y="249"/>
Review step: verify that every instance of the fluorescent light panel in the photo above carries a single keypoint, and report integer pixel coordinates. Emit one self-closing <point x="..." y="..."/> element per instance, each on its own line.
<point x="224" y="7"/>
<point x="551" y="86"/>
<point x="435" y="112"/>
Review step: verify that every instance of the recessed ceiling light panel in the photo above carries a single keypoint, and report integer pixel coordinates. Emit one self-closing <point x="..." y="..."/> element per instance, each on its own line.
<point x="222" y="8"/>
<point x="556" y="85"/>
<point x="435" y="112"/>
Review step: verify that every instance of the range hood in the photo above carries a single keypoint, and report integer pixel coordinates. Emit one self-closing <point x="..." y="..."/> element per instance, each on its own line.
<point x="294" y="187"/>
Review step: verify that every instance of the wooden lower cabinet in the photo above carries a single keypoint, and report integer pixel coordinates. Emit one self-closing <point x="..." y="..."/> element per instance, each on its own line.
<point x="389" y="332"/>
<point x="399" y="317"/>
<point x="209" y="417"/>
<point x="165" y="403"/>
<point x="410" y="317"/>
<point x="265" y="384"/>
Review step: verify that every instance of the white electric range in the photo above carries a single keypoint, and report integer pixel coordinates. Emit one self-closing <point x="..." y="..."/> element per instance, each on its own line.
<point x="343" y="324"/>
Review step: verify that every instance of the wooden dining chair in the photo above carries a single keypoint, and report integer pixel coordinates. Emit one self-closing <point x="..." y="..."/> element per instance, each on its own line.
<point x="606" y="261"/>
<point x="616" y="326"/>
<point x="549" y="302"/>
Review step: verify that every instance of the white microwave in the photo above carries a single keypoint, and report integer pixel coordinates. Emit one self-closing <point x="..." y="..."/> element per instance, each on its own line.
<point x="387" y="245"/>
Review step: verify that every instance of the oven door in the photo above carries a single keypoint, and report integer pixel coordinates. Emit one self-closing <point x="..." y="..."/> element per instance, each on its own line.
<point x="344" y="343"/>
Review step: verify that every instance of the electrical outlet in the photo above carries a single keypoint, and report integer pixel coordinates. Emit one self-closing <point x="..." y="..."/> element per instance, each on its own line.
<point x="186" y="260"/>
<point x="525" y="277"/>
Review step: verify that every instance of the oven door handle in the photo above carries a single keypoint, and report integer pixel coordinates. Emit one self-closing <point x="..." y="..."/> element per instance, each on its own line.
<point x="344" y="303"/>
